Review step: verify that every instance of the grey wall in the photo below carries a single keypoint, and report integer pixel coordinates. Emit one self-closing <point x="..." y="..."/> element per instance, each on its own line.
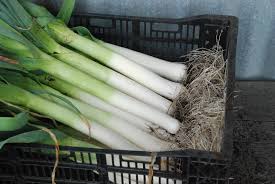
<point x="256" y="43"/>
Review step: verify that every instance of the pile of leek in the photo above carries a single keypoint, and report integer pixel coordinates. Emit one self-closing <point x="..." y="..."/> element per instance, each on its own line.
<point x="114" y="95"/>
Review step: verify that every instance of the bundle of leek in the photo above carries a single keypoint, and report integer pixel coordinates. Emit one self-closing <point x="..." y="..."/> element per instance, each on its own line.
<point x="118" y="99"/>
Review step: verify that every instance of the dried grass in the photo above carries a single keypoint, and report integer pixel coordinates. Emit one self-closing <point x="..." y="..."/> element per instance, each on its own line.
<point x="200" y="108"/>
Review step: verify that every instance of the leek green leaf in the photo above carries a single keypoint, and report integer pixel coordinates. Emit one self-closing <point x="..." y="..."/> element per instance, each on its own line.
<point x="66" y="10"/>
<point x="14" y="123"/>
<point x="36" y="136"/>
<point x="83" y="31"/>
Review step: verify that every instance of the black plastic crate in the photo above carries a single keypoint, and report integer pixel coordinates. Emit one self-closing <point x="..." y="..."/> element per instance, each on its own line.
<point x="164" y="38"/>
<point x="7" y="170"/>
<point x="77" y="167"/>
<point x="5" y="180"/>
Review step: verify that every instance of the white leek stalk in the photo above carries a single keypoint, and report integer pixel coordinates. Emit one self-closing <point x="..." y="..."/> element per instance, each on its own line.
<point x="142" y="139"/>
<point x="116" y="99"/>
<point x="18" y="96"/>
<point x="170" y="70"/>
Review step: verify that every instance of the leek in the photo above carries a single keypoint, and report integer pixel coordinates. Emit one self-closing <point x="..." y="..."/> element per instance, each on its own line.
<point x="132" y="133"/>
<point x="30" y="57"/>
<point x="18" y="96"/>
<point x="98" y="71"/>
<point x="170" y="70"/>
<point x="115" y="61"/>
<point x="58" y="30"/>
<point x="81" y="95"/>
<point x="160" y="119"/>
<point x="114" y="79"/>
<point x="137" y="136"/>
